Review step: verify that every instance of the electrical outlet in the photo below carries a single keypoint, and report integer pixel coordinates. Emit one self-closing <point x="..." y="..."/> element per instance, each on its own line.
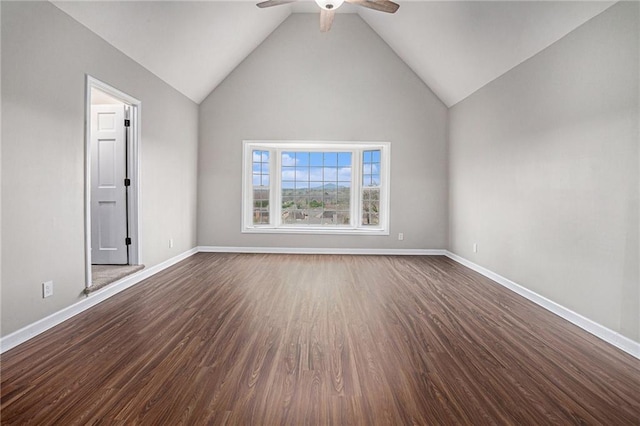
<point x="170" y="242"/>
<point x="47" y="289"/>
<point x="475" y="247"/>
<point x="400" y="236"/>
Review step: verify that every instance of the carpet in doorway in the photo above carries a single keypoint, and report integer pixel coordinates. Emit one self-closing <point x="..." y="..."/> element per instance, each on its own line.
<point x="102" y="275"/>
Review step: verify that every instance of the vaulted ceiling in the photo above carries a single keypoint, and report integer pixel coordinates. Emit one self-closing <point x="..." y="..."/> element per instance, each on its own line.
<point x="455" y="47"/>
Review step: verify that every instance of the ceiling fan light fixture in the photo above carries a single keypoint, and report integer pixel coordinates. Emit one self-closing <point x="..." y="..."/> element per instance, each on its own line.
<point x="329" y="4"/>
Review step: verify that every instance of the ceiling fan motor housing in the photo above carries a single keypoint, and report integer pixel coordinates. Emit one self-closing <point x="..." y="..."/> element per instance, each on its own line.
<point x="329" y="4"/>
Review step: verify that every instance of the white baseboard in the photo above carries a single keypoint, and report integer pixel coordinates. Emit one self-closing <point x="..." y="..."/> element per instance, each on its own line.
<point x="20" y="336"/>
<point x="616" y="339"/>
<point x="294" y="250"/>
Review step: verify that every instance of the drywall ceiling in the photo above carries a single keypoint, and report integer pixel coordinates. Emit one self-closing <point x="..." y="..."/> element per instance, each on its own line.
<point x="192" y="46"/>
<point x="455" y="47"/>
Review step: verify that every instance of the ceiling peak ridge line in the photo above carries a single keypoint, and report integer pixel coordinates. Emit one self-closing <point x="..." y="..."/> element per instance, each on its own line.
<point x="328" y="8"/>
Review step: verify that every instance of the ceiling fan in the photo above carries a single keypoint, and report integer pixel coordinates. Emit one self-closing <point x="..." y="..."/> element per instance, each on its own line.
<point x="328" y="8"/>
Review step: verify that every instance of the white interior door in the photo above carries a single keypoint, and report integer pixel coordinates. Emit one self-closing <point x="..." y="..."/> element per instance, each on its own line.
<point x="108" y="190"/>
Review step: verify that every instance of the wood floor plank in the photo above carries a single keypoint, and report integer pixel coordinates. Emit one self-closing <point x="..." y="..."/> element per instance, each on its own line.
<point x="318" y="339"/>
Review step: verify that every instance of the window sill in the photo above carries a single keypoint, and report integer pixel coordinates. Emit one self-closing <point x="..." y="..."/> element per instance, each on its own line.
<point x="316" y="231"/>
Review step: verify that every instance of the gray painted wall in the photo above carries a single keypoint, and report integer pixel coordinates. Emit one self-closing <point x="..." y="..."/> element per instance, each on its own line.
<point x="544" y="172"/>
<point x="346" y="85"/>
<point x="45" y="55"/>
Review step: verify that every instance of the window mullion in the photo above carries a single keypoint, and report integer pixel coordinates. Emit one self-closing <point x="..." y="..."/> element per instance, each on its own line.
<point x="247" y="185"/>
<point x="276" y="184"/>
<point x="384" y="187"/>
<point x="356" y="183"/>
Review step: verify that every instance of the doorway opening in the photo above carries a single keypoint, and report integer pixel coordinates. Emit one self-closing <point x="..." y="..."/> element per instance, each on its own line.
<point x="112" y="133"/>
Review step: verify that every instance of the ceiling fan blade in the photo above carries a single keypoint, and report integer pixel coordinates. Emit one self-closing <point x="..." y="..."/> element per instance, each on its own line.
<point x="381" y="5"/>
<point x="270" y="3"/>
<point x="326" y="19"/>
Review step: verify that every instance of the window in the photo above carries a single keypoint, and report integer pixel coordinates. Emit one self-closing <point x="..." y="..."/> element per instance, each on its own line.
<point x="371" y="187"/>
<point x="316" y="187"/>
<point x="261" y="191"/>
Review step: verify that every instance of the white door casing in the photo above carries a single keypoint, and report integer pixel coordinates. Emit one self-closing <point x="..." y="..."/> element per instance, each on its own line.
<point x="108" y="190"/>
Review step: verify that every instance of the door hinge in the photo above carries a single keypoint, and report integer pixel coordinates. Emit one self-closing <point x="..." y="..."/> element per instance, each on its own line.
<point x="127" y="122"/>
<point x="127" y="182"/>
<point x="127" y="241"/>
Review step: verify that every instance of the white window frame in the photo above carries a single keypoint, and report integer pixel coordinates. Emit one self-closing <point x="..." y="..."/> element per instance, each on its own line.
<point x="276" y="148"/>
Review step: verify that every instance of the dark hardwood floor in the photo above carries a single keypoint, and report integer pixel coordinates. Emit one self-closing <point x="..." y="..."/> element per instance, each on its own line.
<point x="244" y="339"/>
